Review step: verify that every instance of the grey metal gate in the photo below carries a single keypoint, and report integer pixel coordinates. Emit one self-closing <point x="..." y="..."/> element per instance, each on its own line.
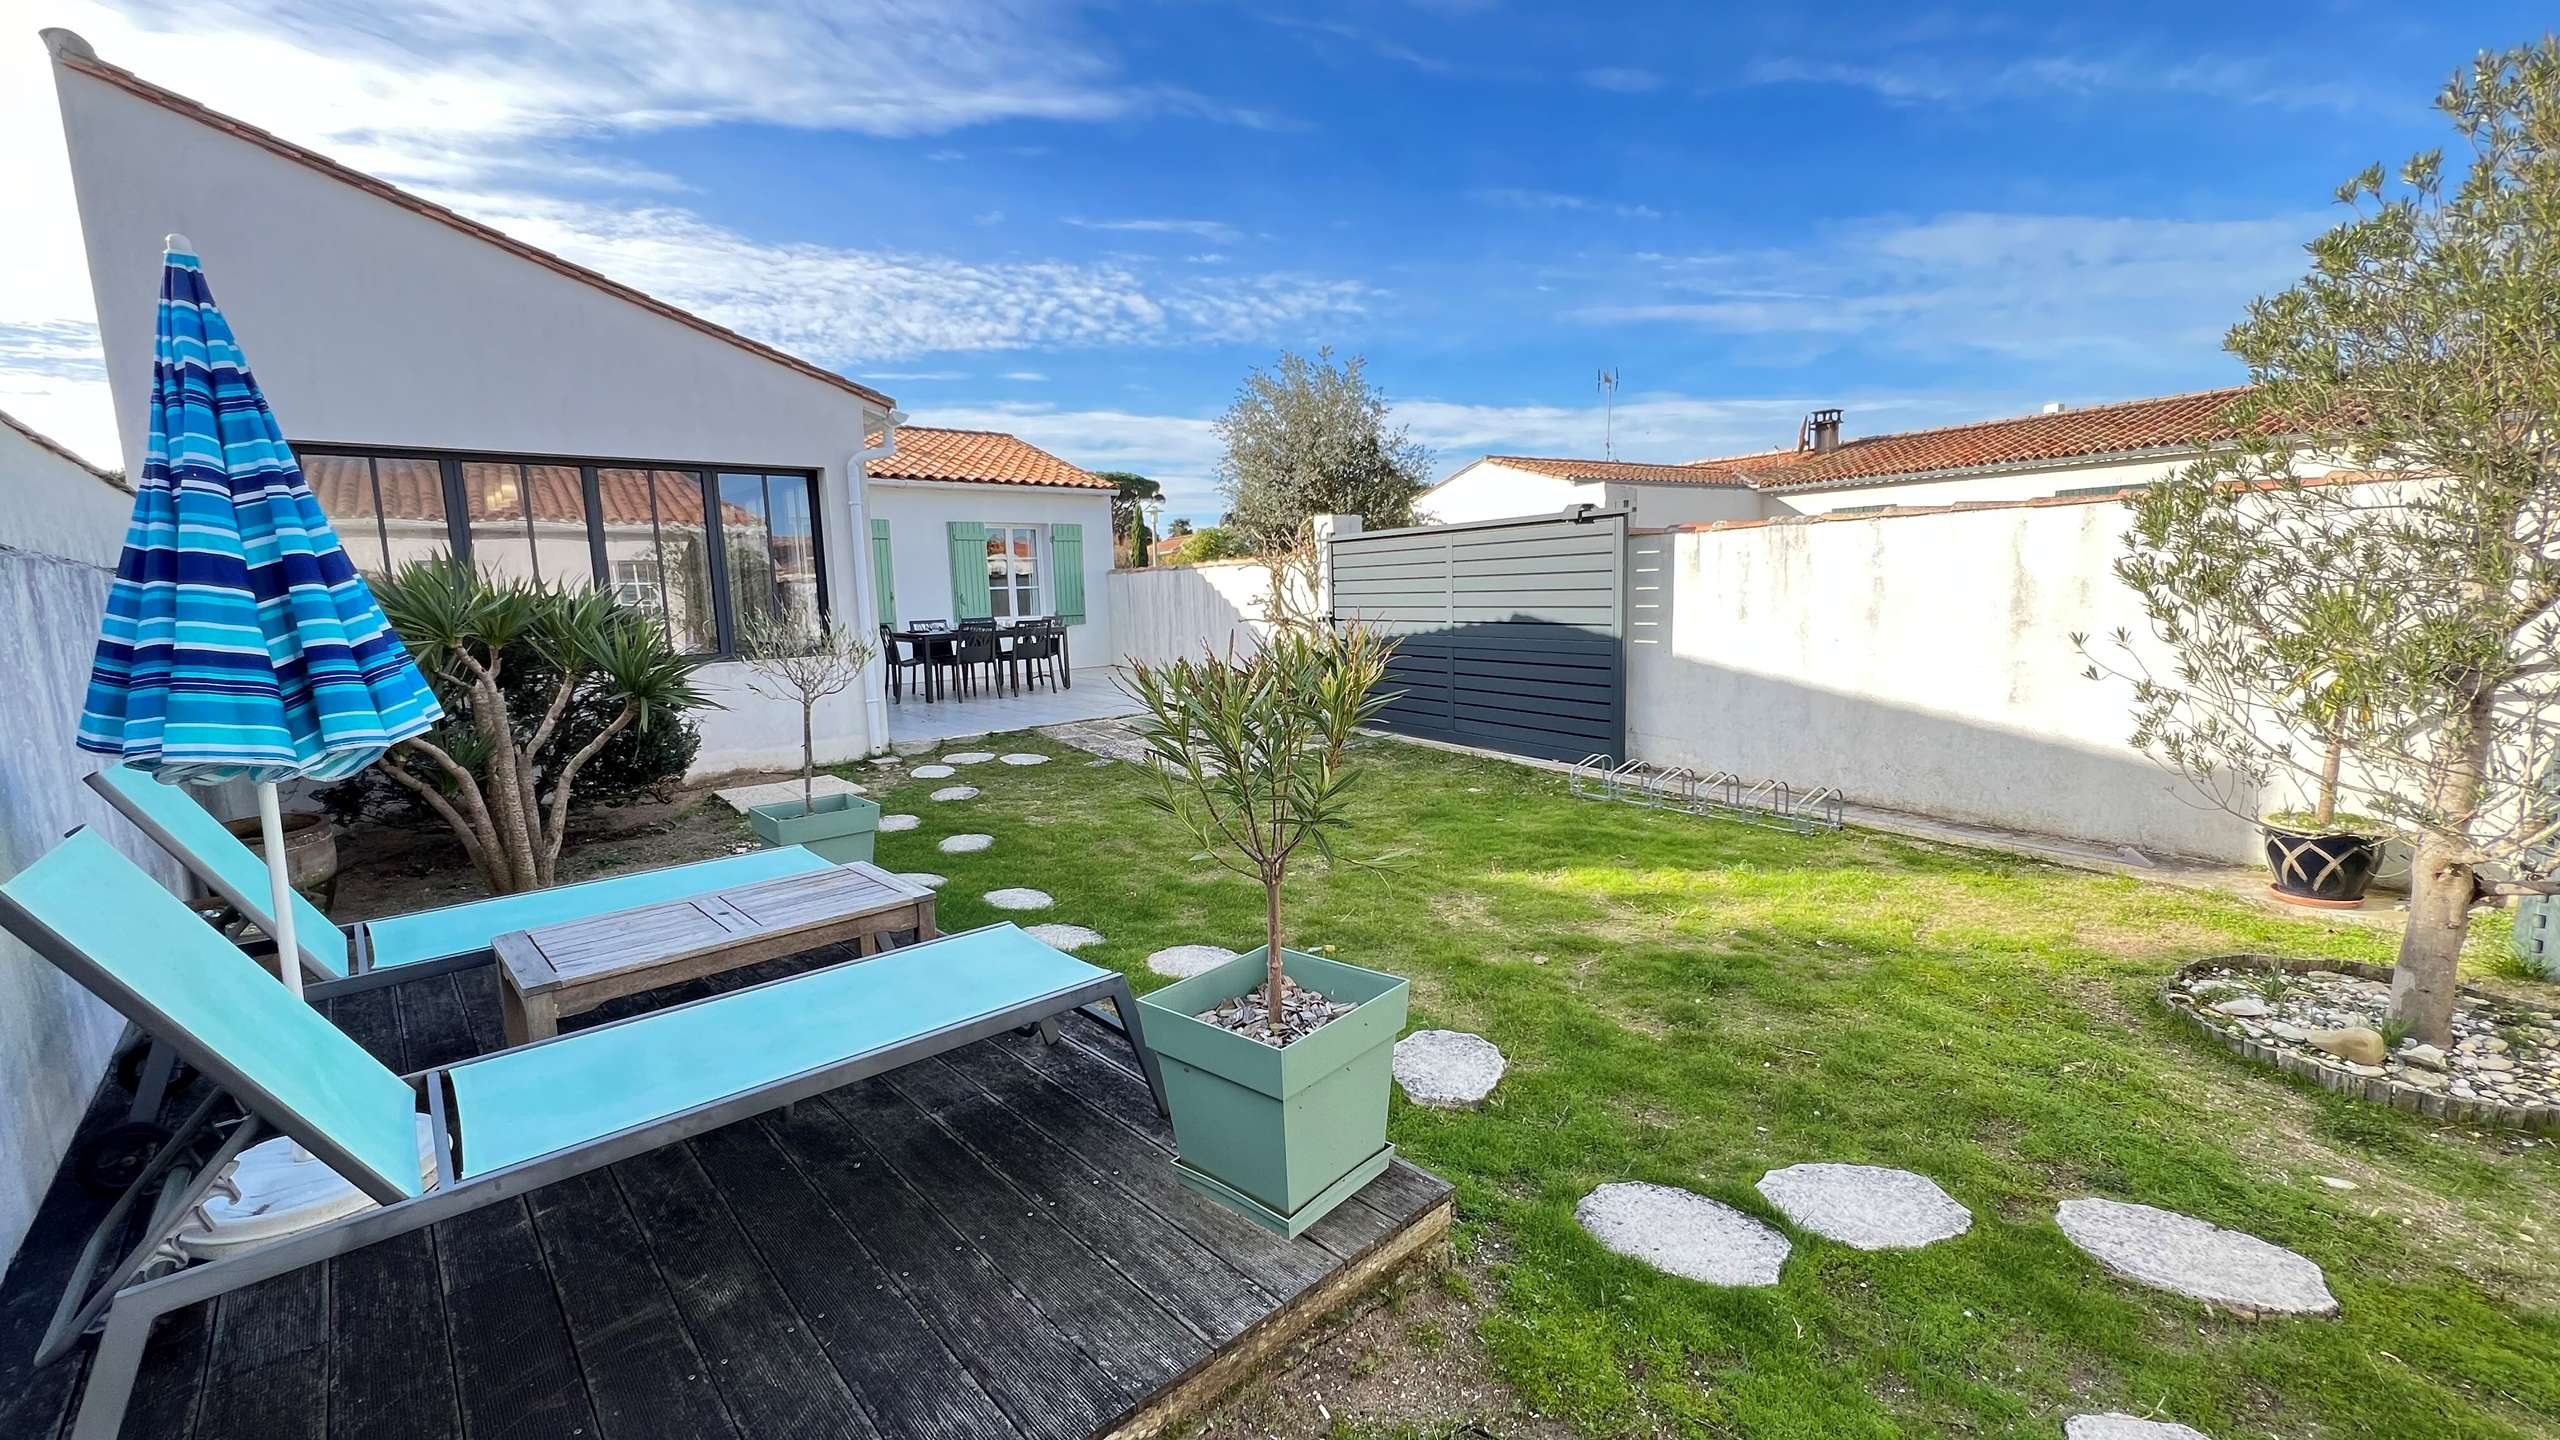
<point x="1509" y="632"/>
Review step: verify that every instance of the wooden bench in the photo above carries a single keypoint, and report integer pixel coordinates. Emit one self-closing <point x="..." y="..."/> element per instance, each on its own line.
<point x="555" y="971"/>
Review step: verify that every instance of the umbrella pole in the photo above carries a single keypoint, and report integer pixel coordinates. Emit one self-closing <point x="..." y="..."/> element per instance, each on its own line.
<point x="279" y="887"/>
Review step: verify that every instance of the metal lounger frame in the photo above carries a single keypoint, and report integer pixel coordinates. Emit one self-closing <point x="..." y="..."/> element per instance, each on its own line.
<point x="130" y="1303"/>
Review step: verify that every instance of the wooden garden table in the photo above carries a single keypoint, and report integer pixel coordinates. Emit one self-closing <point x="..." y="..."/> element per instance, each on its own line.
<point x="565" y="969"/>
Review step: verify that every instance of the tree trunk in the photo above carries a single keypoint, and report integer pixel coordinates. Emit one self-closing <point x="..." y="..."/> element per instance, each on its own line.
<point x="2441" y="888"/>
<point x="2422" y="983"/>
<point x="1274" y="978"/>
<point x="2328" y="806"/>
<point x="808" y="761"/>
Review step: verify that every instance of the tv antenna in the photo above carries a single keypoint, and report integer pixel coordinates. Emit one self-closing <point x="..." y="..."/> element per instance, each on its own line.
<point x="1609" y="414"/>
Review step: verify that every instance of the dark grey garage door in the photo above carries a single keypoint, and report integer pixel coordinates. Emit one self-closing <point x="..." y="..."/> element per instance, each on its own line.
<point x="1508" y="632"/>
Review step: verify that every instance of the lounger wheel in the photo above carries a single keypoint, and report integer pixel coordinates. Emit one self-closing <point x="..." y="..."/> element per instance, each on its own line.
<point x="110" y="1159"/>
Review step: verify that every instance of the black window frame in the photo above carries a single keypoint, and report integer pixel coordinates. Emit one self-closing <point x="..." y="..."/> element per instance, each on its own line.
<point x="706" y="476"/>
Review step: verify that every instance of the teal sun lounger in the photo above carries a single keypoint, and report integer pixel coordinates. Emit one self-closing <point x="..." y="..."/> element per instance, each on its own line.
<point x="401" y="947"/>
<point x="503" y="1123"/>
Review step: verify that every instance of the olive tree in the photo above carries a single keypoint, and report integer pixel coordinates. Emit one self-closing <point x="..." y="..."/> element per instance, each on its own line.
<point x="476" y="771"/>
<point x="2359" y="591"/>
<point x="803" y="663"/>
<point x="1309" y="437"/>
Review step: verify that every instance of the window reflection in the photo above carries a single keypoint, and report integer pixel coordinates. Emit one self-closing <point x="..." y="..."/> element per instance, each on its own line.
<point x="501" y="546"/>
<point x="343" y="484"/>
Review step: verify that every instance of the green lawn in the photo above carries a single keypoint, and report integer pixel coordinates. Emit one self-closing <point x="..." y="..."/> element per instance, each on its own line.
<point x="1695" y="1002"/>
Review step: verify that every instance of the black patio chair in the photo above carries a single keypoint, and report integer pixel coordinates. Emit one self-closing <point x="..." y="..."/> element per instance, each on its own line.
<point x="900" y="662"/>
<point x="969" y="655"/>
<point x="1032" y="650"/>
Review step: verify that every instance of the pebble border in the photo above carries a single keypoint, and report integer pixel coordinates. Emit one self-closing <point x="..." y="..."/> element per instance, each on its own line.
<point x="2376" y="1089"/>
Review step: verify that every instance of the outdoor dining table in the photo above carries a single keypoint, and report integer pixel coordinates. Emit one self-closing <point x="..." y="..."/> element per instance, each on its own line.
<point x="927" y="642"/>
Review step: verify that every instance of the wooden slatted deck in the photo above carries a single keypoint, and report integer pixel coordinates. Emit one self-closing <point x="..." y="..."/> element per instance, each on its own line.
<point x="991" y="1244"/>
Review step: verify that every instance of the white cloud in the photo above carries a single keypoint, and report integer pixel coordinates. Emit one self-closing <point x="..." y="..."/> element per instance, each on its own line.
<point x="1026" y="376"/>
<point x="1177" y="451"/>
<point x="847" y="306"/>
<point x="480" y="107"/>
<point x="915" y="374"/>
<point x="1216" y="232"/>
<point x="1919" y="78"/>
<point x="2132" y="291"/>
<point x="1515" y="198"/>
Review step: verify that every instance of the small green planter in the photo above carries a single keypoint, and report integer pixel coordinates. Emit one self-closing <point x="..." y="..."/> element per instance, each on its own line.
<point x="1281" y="1135"/>
<point x="841" y="828"/>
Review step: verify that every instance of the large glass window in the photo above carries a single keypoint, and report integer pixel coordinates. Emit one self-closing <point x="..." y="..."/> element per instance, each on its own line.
<point x="1013" y="572"/>
<point x="772" y="547"/>
<point x="703" y="550"/>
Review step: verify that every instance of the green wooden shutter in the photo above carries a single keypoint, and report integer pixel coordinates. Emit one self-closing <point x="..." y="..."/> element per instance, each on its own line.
<point x="969" y="571"/>
<point x="884" y="583"/>
<point x="1066" y="555"/>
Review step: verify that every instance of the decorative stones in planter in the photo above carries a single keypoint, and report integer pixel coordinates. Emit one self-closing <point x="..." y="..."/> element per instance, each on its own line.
<point x="2325" y="869"/>
<point x="2317" y="1019"/>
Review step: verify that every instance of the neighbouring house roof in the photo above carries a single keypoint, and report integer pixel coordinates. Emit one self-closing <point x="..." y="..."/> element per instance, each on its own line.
<point x="47" y="443"/>
<point x="1711" y="473"/>
<point x="74" y="53"/>
<point x="2168" y="422"/>
<point x="976" y="457"/>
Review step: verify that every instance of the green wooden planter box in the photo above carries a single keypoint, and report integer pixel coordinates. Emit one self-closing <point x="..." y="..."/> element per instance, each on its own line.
<point x="841" y="828"/>
<point x="1281" y="1135"/>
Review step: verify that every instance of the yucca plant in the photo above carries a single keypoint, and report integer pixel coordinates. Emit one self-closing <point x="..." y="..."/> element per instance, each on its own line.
<point x="1252" y="753"/>
<point x="477" y="773"/>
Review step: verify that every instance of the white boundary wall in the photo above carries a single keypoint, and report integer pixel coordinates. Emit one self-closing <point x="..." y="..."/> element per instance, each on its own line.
<point x="61" y="529"/>
<point x="1182" y="611"/>
<point x="1919" y="662"/>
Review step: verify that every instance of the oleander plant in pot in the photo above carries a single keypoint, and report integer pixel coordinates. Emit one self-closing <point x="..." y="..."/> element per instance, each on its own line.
<point x="1277" y="1063"/>
<point x="804" y="663"/>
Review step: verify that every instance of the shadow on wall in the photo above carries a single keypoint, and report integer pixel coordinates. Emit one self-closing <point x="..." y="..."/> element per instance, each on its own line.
<point x="1901" y="757"/>
<point x="1180" y="612"/>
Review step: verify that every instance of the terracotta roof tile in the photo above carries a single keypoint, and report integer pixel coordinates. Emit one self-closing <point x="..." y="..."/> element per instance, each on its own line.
<point x="74" y="54"/>
<point x="979" y="457"/>
<point x="2168" y="422"/>
<point x="1703" y="472"/>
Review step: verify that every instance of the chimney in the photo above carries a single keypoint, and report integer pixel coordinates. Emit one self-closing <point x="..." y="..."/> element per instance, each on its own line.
<point x="2053" y="407"/>
<point x="1821" y="432"/>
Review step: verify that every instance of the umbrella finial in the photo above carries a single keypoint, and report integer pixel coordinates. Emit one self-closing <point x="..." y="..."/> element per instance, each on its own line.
<point x="177" y="241"/>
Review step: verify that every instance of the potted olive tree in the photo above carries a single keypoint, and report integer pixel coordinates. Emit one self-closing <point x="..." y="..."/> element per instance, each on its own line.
<point x="2324" y="856"/>
<point x="1276" y="1064"/>
<point x="804" y="664"/>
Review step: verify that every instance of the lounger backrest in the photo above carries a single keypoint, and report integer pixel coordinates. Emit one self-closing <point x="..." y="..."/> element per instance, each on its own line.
<point x="108" y="925"/>
<point x="214" y="855"/>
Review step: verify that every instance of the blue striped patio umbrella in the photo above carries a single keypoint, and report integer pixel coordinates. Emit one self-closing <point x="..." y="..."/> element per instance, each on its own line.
<point x="239" y="641"/>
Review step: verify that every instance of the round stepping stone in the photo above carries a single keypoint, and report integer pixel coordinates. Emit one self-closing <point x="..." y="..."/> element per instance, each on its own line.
<point x="1020" y="899"/>
<point x="1447" y="1069"/>
<point x="925" y="878"/>
<point x="1024" y="757"/>
<point x="2190" y="1257"/>
<point x="966" y="844"/>
<point x="1064" y="937"/>
<point x="2116" y="1425"/>
<point x="955" y="792"/>
<point x="933" y="772"/>
<point x="1866" y="1206"/>
<point x="1683" y="1234"/>
<point x="969" y="757"/>
<point x="1184" y="961"/>
<point x="891" y="824"/>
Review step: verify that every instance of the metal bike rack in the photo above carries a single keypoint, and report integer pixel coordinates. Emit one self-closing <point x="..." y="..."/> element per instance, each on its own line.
<point x="1776" y="804"/>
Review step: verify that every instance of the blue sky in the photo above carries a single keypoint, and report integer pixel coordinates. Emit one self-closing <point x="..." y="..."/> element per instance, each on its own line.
<point x="1085" y="223"/>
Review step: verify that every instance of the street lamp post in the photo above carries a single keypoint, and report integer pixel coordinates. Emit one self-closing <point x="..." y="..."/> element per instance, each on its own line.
<point x="1153" y="505"/>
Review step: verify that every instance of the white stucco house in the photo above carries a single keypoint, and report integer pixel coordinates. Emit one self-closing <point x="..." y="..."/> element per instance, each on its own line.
<point x="451" y="388"/>
<point x="2060" y="451"/>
